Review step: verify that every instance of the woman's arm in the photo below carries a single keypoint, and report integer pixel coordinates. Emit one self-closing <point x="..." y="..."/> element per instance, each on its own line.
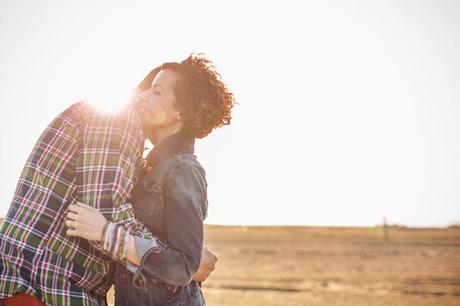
<point x="185" y="199"/>
<point x="176" y="263"/>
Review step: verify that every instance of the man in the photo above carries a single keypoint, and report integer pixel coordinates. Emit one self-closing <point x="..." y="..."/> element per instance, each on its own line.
<point x="82" y="156"/>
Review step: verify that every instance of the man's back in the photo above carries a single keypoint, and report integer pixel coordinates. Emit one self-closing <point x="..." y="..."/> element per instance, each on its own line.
<point x="81" y="156"/>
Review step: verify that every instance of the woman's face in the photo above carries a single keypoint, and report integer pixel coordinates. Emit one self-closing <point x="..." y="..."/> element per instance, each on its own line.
<point x="157" y="103"/>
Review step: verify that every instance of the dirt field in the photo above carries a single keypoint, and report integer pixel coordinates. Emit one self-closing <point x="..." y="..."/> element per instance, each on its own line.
<point x="334" y="266"/>
<point x="285" y="266"/>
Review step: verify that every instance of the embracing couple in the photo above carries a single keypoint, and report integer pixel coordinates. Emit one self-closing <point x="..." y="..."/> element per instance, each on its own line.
<point x="89" y="212"/>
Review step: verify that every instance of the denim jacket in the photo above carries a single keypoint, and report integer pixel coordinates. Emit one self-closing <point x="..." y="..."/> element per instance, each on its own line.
<point x="170" y="199"/>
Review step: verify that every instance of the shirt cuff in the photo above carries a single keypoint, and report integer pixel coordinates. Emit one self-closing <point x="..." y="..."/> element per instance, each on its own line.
<point x="142" y="246"/>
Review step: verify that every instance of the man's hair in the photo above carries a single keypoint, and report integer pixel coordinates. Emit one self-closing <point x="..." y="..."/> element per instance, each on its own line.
<point x="204" y="101"/>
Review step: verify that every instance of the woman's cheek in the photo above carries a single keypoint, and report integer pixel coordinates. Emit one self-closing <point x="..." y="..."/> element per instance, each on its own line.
<point x="159" y="117"/>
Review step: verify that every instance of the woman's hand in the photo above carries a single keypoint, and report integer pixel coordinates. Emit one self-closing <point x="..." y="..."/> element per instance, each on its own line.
<point x="207" y="265"/>
<point x="85" y="222"/>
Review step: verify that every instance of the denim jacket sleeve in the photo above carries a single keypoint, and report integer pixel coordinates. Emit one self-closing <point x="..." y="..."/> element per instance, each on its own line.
<point x="186" y="206"/>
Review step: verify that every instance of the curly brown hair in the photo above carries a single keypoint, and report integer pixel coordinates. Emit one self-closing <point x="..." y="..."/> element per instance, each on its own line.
<point x="203" y="100"/>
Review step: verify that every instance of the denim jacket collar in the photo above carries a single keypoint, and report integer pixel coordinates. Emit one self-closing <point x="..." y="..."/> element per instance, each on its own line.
<point x="176" y="143"/>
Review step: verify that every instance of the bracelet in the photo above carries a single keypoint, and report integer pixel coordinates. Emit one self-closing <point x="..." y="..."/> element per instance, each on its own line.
<point x="109" y="236"/>
<point x="121" y="250"/>
<point x="115" y="241"/>
<point x="104" y="230"/>
<point x="106" y="239"/>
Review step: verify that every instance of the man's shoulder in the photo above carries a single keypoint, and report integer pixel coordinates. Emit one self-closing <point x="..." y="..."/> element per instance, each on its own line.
<point x="77" y="111"/>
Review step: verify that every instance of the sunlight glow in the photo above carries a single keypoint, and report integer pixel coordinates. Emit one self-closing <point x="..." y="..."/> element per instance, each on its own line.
<point x="347" y="111"/>
<point x="110" y="99"/>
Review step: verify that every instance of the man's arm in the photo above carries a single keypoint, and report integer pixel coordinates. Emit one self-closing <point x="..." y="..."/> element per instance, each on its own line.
<point x="109" y="150"/>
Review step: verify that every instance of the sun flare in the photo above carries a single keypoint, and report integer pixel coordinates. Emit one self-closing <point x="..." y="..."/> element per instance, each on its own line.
<point x="111" y="100"/>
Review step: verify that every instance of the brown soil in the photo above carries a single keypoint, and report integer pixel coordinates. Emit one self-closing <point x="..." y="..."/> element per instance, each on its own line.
<point x="334" y="266"/>
<point x="321" y="266"/>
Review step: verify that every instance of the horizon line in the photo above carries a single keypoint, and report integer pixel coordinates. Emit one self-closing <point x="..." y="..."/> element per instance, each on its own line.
<point x="390" y="225"/>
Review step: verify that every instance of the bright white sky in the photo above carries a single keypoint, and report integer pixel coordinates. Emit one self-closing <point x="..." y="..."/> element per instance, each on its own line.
<point x="348" y="110"/>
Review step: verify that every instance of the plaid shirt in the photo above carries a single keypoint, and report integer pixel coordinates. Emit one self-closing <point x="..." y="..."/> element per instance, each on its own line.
<point x="82" y="156"/>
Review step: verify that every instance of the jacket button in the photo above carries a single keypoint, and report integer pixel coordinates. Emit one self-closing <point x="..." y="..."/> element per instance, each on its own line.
<point x="122" y="276"/>
<point x="141" y="282"/>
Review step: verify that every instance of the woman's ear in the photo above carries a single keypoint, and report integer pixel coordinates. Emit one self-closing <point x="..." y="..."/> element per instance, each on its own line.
<point x="179" y="116"/>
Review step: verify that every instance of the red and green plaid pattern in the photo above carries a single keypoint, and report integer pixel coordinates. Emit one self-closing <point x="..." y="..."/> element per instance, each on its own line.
<point x="83" y="156"/>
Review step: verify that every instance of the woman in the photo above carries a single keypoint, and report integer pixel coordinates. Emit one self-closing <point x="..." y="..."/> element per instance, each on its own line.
<point x="184" y="101"/>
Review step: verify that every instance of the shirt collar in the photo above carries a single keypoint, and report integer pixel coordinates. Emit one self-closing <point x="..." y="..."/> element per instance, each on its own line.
<point x="176" y="143"/>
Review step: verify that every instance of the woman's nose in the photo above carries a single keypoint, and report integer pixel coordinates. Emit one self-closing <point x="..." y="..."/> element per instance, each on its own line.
<point x="144" y="96"/>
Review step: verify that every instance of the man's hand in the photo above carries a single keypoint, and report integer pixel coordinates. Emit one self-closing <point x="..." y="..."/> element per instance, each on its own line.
<point x="207" y="265"/>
